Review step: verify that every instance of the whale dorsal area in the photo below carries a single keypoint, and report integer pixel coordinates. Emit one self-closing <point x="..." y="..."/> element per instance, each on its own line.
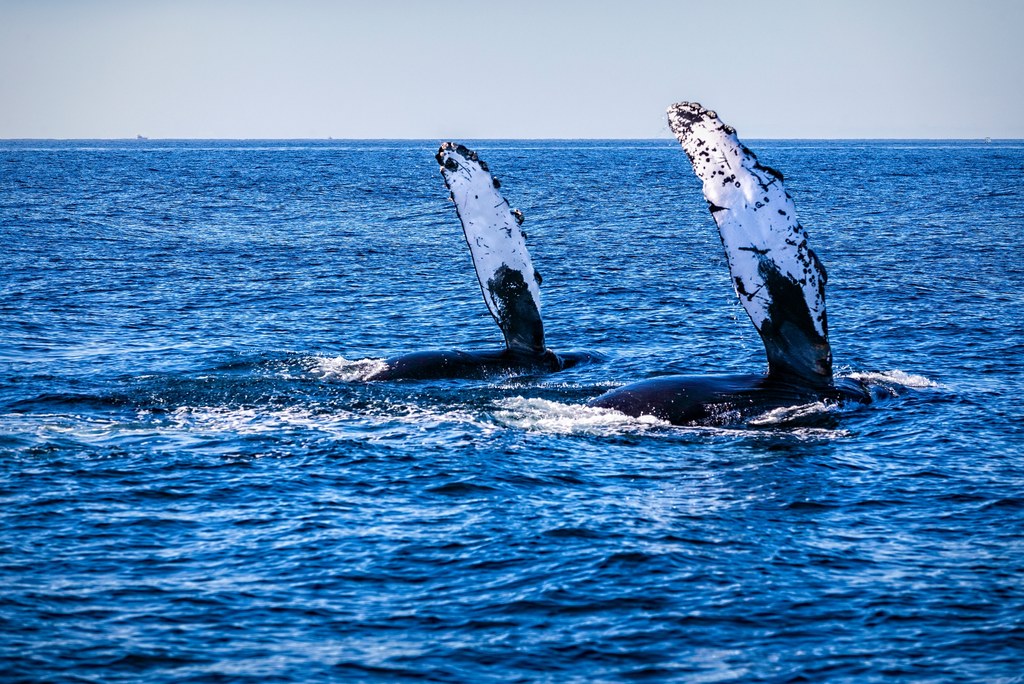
<point x="776" y="275"/>
<point x="507" y="279"/>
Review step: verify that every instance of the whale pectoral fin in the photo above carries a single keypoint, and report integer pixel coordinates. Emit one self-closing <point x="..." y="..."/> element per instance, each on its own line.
<point x="508" y="281"/>
<point x="518" y="315"/>
<point x="777" y="277"/>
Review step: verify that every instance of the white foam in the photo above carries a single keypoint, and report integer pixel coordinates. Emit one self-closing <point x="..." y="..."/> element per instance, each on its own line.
<point x="543" y="415"/>
<point x="384" y="421"/>
<point x="210" y="420"/>
<point x="810" y="433"/>
<point x="779" y="422"/>
<point x="895" y="377"/>
<point x="785" y="414"/>
<point x="345" y="370"/>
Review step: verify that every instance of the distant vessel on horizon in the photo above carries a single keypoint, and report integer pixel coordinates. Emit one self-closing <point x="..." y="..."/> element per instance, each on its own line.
<point x="141" y="137"/>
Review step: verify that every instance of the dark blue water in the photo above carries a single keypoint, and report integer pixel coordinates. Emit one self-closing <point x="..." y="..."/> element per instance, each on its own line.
<point x="193" y="489"/>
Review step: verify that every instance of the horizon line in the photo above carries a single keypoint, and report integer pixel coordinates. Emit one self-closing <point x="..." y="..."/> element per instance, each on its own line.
<point x="142" y="139"/>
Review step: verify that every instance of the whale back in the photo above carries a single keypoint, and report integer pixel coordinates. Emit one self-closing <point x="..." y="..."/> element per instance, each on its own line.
<point x="509" y="283"/>
<point x="776" y="275"/>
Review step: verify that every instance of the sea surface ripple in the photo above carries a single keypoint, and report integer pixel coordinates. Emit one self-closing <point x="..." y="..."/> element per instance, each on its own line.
<point x="197" y="487"/>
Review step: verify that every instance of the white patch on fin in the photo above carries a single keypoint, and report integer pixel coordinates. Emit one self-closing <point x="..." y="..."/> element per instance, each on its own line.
<point x="497" y="245"/>
<point x="756" y="217"/>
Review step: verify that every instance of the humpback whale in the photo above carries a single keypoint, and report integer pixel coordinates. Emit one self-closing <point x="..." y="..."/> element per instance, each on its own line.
<point x="779" y="281"/>
<point x="508" y="281"/>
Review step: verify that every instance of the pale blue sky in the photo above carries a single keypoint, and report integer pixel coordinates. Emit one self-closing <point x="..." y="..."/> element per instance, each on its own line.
<point x="533" y="69"/>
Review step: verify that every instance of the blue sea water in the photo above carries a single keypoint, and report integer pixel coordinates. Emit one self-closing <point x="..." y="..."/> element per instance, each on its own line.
<point x="196" y="487"/>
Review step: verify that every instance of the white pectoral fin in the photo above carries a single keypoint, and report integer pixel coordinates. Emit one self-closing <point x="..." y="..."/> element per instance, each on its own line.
<point x="498" y="247"/>
<point x="777" y="277"/>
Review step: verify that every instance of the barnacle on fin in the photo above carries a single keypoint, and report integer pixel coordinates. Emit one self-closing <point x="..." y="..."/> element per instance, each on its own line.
<point x="466" y="152"/>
